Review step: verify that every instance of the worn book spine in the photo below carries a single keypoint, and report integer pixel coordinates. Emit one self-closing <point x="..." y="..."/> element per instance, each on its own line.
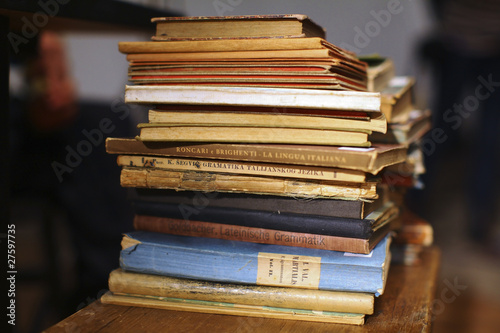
<point x="198" y="201"/>
<point x="249" y="96"/>
<point x="272" y="120"/>
<point x="243" y="168"/>
<point x="202" y="181"/>
<point x="221" y="260"/>
<point x="306" y="299"/>
<point x="370" y="160"/>
<point x="177" y="304"/>
<point x="256" y="218"/>
<point x="155" y="132"/>
<point x="258" y="235"/>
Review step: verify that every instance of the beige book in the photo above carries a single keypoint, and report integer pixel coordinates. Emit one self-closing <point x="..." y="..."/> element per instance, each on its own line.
<point x="376" y="123"/>
<point x="232" y="309"/>
<point x="155" y="132"/>
<point x="243" y="168"/>
<point x="210" y="182"/>
<point x="297" y="298"/>
<point x="256" y="97"/>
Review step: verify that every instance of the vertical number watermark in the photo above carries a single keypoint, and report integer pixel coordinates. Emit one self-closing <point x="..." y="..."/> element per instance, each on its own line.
<point x="11" y="274"/>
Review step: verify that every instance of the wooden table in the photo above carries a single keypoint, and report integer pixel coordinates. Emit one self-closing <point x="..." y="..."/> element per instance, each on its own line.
<point x="406" y="306"/>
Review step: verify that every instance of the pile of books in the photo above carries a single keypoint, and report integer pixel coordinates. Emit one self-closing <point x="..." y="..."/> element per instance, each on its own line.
<point x="256" y="188"/>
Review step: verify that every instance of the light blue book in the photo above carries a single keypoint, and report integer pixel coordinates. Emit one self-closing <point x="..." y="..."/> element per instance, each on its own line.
<point x="251" y="263"/>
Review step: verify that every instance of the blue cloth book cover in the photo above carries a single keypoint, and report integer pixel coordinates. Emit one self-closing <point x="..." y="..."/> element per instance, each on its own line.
<point x="251" y="263"/>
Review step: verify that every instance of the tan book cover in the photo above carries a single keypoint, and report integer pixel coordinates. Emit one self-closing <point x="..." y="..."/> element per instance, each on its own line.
<point x="377" y="123"/>
<point x="243" y="168"/>
<point x="232" y="309"/>
<point x="370" y="160"/>
<point x="307" y="299"/>
<point x="189" y="133"/>
<point x="209" y="182"/>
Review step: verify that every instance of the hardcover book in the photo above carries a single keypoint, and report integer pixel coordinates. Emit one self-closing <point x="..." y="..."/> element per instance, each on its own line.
<point x="273" y="119"/>
<point x="234" y="134"/>
<point x="370" y="160"/>
<point x="244" y="26"/>
<point x="197" y="201"/>
<point x="255" y="96"/>
<point x="252" y="263"/>
<point x="243" y="168"/>
<point x="121" y="282"/>
<point x="209" y="182"/>
<point x="259" y="219"/>
<point x="177" y="304"/>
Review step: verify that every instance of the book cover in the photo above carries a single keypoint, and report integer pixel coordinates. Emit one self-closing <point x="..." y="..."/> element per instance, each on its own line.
<point x="370" y="160"/>
<point x="210" y="182"/>
<point x="191" y="228"/>
<point x="243" y="168"/>
<point x="234" y="134"/>
<point x="297" y="223"/>
<point x="197" y="201"/>
<point x="306" y="299"/>
<point x="241" y="26"/>
<point x="274" y="120"/>
<point x="232" y="309"/>
<point x="255" y="96"/>
<point x="252" y="263"/>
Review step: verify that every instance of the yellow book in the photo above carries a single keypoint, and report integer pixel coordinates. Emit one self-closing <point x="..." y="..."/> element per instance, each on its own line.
<point x="123" y="282"/>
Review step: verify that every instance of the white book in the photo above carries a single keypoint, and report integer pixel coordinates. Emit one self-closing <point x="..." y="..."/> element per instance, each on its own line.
<point x="249" y="96"/>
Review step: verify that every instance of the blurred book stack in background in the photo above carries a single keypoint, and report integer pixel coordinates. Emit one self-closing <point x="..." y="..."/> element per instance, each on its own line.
<point x="257" y="173"/>
<point x="407" y="126"/>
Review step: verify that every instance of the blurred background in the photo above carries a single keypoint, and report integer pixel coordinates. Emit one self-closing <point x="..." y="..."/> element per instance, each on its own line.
<point x="70" y="219"/>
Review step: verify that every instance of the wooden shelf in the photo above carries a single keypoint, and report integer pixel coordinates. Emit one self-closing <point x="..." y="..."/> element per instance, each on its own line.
<point x="406" y="306"/>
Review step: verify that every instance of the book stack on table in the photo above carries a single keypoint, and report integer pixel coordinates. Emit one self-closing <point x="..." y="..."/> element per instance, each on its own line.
<point x="256" y="189"/>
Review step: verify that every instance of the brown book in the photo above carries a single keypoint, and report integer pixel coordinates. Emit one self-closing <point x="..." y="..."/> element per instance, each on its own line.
<point x="243" y="168"/>
<point x="245" y="26"/>
<point x="183" y="227"/>
<point x="122" y="282"/>
<point x="414" y="230"/>
<point x="209" y="182"/>
<point x="370" y="160"/>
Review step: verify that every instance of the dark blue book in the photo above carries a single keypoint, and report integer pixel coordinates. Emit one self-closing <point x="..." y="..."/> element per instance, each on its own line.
<point x="252" y="263"/>
<point x="292" y="222"/>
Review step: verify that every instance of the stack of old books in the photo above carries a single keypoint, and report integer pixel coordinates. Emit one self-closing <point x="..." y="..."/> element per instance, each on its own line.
<point x="256" y="189"/>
